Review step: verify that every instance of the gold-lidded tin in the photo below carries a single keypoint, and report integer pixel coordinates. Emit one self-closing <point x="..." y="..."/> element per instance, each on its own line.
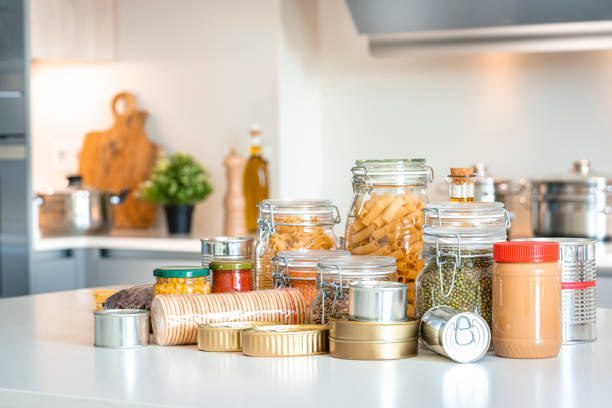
<point x="372" y="350"/>
<point x="225" y="336"/>
<point x="373" y="331"/>
<point x="285" y="340"/>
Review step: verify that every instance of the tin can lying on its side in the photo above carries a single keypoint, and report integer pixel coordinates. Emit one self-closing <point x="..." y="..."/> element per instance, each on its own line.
<point x="121" y="328"/>
<point x="463" y="337"/>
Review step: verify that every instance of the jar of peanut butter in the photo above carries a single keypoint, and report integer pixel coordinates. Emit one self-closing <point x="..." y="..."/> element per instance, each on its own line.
<point x="526" y="299"/>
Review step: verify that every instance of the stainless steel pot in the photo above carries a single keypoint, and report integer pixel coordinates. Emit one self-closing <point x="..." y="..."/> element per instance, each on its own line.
<point x="77" y="210"/>
<point x="578" y="204"/>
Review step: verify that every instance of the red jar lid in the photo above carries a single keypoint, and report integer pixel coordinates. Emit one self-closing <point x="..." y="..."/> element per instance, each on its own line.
<point x="526" y="251"/>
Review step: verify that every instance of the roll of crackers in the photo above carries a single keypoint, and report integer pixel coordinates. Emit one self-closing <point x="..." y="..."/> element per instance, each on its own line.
<point x="175" y="318"/>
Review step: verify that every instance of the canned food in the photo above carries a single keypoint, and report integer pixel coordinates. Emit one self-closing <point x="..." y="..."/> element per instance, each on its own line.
<point x="226" y="248"/>
<point x="225" y="336"/>
<point x="121" y="328"/>
<point x="463" y="337"/>
<point x="378" y="301"/>
<point x="285" y="341"/>
<point x="578" y="278"/>
<point x="374" y="331"/>
<point x="372" y="350"/>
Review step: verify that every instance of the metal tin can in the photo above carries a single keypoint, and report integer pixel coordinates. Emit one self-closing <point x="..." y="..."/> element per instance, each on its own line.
<point x="578" y="278"/>
<point x="226" y="248"/>
<point x="378" y="301"/>
<point x="372" y="350"/>
<point x="285" y="340"/>
<point x="463" y="337"/>
<point x="373" y="331"/>
<point x="121" y="328"/>
<point x="225" y="336"/>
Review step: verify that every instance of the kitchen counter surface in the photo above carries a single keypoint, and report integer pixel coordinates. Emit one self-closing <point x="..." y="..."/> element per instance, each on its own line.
<point x="48" y="358"/>
<point x="137" y="240"/>
<point x="154" y="240"/>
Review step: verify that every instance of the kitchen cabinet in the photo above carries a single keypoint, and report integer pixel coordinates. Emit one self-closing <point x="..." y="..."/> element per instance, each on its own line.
<point x="73" y="29"/>
<point x="54" y="271"/>
<point x="76" y="268"/>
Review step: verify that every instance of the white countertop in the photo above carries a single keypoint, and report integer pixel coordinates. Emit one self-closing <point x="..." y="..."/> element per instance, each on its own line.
<point x="137" y="240"/>
<point x="48" y="358"/>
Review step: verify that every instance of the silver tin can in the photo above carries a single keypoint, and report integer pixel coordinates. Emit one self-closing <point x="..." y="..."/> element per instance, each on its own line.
<point x="463" y="337"/>
<point x="378" y="301"/>
<point x="226" y="248"/>
<point x="578" y="277"/>
<point x="121" y="328"/>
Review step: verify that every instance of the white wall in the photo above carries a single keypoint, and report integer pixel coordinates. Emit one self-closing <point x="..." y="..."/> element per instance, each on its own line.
<point x="204" y="70"/>
<point x="522" y="114"/>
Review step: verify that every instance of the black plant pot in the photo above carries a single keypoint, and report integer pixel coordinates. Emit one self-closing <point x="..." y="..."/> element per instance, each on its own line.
<point x="179" y="218"/>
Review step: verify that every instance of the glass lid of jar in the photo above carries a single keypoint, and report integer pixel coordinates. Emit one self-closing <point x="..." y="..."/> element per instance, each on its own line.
<point x="478" y="222"/>
<point x="356" y="265"/>
<point x="304" y="212"/>
<point x="304" y="258"/>
<point x="392" y="172"/>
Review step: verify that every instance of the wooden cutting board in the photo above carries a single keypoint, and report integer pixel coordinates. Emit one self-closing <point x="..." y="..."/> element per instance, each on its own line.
<point x="119" y="158"/>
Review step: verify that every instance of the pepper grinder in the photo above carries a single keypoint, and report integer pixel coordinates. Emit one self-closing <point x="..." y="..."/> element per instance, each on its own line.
<point x="234" y="202"/>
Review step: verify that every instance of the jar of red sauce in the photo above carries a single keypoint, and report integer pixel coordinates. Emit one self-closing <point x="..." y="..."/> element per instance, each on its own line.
<point x="231" y="276"/>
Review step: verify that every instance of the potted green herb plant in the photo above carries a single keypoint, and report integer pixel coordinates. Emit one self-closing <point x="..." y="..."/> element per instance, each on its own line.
<point x="177" y="183"/>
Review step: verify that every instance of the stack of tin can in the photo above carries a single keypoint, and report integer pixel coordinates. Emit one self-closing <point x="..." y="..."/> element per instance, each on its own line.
<point x="377" y="327"/>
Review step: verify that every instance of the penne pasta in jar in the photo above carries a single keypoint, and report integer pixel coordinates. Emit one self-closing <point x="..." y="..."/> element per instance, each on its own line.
<point x="289" y="225"/>
<point x="386" y="217"/>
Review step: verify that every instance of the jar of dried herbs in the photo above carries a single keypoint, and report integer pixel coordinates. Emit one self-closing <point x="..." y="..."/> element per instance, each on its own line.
<point x="458" y="253"/>
<point x="334" y="276"/>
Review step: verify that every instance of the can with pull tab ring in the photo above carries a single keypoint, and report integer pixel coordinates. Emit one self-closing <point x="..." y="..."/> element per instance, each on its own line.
<point x="463" y="337"/>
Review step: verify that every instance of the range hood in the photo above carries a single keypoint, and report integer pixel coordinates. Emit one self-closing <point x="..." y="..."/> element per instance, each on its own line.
<point x="400" y="27"/>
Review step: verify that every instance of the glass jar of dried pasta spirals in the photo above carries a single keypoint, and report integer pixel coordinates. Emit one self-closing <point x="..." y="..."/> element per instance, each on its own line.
<point x="386" y="216"/>
<point x="292" y="224"/>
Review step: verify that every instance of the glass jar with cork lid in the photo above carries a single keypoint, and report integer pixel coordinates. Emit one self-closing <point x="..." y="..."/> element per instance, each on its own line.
<point x="461" y="181"/>
<point x="458" y="254"/>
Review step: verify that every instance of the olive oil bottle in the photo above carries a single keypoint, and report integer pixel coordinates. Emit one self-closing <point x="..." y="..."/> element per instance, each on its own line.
<point x="255" y="180"/>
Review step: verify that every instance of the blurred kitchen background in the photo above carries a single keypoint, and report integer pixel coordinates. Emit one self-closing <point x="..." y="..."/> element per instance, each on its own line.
<point x="327" y="81"/>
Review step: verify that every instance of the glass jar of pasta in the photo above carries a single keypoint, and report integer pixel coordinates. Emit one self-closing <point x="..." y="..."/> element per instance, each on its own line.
<point x="386" y="216"/>
<point x="292" y="224"/>
<point x="458" y="252"/>
<point x="335" y="275"/>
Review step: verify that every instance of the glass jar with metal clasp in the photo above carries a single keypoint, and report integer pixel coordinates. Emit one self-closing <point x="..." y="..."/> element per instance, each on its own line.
<point x="298" y="269"/>
<point x="458" y="255"/>
<point x="335" y="275"/>
<point x="386" y="218"/>
<point x="289" y="225"/>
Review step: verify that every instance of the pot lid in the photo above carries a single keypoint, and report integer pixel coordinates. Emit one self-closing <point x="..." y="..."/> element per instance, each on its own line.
<point x="580" y="173"/>
<point x="75" y="183"/>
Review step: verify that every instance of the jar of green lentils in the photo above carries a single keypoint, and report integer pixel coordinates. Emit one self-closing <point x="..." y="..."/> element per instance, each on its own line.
<point x="458" y="240"/>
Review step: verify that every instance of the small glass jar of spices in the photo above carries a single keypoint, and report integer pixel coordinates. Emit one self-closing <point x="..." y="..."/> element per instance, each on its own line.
<point x="298" y="269"/>
<point x="335" y="275"/>
<point x="231" y="276"/>
<point x="181" y="280"/>
<point x="458" y="253"/>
